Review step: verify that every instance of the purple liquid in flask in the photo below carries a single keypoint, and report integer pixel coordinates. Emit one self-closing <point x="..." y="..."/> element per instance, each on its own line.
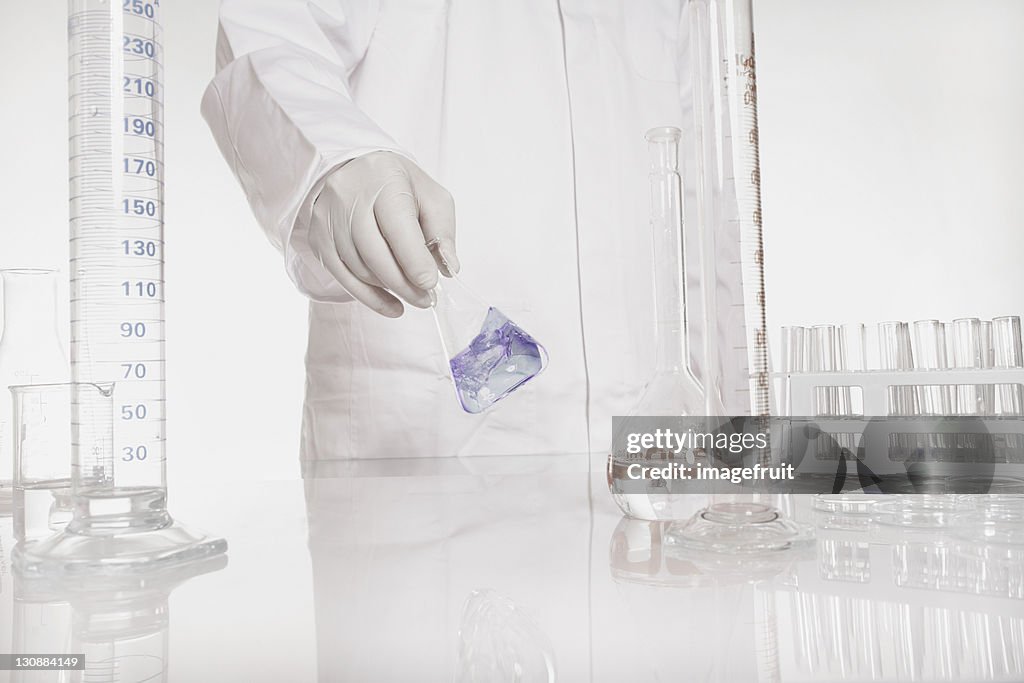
<point x="499" y="360"/>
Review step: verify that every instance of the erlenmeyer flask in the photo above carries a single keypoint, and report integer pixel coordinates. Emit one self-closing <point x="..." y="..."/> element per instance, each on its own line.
<point x="30" y="351"/>
<point x="673" y="390"/>
<point x="489" y="356"/>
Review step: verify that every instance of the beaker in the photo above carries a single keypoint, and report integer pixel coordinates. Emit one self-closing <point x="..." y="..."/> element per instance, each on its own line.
<point x="44" y="430"/>
<point x="489" y="355"/>
<point x="31" y="351"/>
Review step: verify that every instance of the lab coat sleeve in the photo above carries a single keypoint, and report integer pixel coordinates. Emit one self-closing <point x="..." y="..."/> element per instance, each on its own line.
<point x="281" y="111"/>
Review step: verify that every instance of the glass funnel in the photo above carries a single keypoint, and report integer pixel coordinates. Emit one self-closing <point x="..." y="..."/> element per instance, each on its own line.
<point x="489" y="355"/>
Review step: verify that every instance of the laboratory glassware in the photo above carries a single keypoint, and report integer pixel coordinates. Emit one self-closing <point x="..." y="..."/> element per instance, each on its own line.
<point x="794" y="360"/>
<point x="116" y="168"/>
<point x="121" y="624"/>
<point x="724" y="525"/>
<point x="929" y="351"/>
<point x="853" y="347"/>
<point x="722" y="172"/>
<point x="852" y="356"/>
<point x="1006" y="340"/>
<point x="988" y="359"/>
<point x="728" y="211"/>
<point x="895" y="353"/>
<point x="40" y="622"/>
<point x="969" y="352"/>
<point x="42" y="452"/>
<point x="31" y="351"/>
<point x="740" y="526"/>
<point x="850" y="349"/>
<point x="824" y="357"/>
<point x="672" y="390"/>
<point x="947" y="333"/>
<point x="489" y="355"/>
<point x="500" y="642"/>
<point x="920" y="510"/>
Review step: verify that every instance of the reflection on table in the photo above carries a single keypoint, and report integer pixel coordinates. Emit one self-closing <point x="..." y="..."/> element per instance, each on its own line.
<point x="523" y="570"/>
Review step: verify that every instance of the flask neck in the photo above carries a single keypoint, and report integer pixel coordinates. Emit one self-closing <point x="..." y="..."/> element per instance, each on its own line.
<point x="29" y="306"/>
<point x="671" y="330"/>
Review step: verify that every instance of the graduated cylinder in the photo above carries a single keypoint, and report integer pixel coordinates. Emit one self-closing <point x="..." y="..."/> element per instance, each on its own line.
<point x="117" y="285"/>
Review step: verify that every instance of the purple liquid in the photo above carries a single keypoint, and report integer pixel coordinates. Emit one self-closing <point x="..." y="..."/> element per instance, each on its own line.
<point x="498" y="361"/>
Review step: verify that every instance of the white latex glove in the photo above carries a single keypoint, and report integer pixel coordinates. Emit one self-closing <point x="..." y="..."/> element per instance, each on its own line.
<point x="370" y="226"/>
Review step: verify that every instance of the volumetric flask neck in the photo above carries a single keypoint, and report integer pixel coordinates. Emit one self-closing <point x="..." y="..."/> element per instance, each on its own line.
<point x="669" y="271"/>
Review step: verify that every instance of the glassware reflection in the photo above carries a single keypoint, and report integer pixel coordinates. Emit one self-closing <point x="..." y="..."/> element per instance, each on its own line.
<point x="897" y="603"/>
<point x="120" y="624"/>
<point x="500" y="643"/>
<point x="879" y="603"/>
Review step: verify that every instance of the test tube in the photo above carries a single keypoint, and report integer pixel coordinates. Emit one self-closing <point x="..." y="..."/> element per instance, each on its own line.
<point x="852" y="357"/>
<point x="895" y="354"/>
<point x="930" y="354"/>
<point x="1007" y="353"/>
<point x="853" y="352"/>
<point x="987" y="351"/>
<point x="823" y="358"/>
<point x="968" y="352"/>
<point x="794" y="360"/>
<point x="988" y="359"/>
<point x="947" y="334"/>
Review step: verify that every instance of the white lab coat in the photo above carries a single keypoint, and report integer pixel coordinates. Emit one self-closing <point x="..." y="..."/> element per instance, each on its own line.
<point x="532" y="113"/>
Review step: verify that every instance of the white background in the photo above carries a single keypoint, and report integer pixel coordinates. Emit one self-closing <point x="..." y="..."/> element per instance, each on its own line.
<point x="892" y="158"/>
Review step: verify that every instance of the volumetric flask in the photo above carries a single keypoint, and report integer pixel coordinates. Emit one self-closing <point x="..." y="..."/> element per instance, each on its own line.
<point x="672" y="390"/>
<point x="44" y="430"/>
<point x="489" y="355"/>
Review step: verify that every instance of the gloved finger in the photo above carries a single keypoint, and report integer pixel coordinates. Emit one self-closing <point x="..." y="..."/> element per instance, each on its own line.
<point x="374" y="298"/>
<point x="377" y="255"/>
<point x="339" y="220"/>
<point x="437" y="219"/>
<point x="396" y="211"/>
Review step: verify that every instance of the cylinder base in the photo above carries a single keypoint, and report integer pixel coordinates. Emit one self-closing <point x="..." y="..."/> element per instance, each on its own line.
<point x="71" y="553"/>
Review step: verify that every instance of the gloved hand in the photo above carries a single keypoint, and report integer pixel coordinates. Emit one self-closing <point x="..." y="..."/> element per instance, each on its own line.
<point x="370" y="226"/>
